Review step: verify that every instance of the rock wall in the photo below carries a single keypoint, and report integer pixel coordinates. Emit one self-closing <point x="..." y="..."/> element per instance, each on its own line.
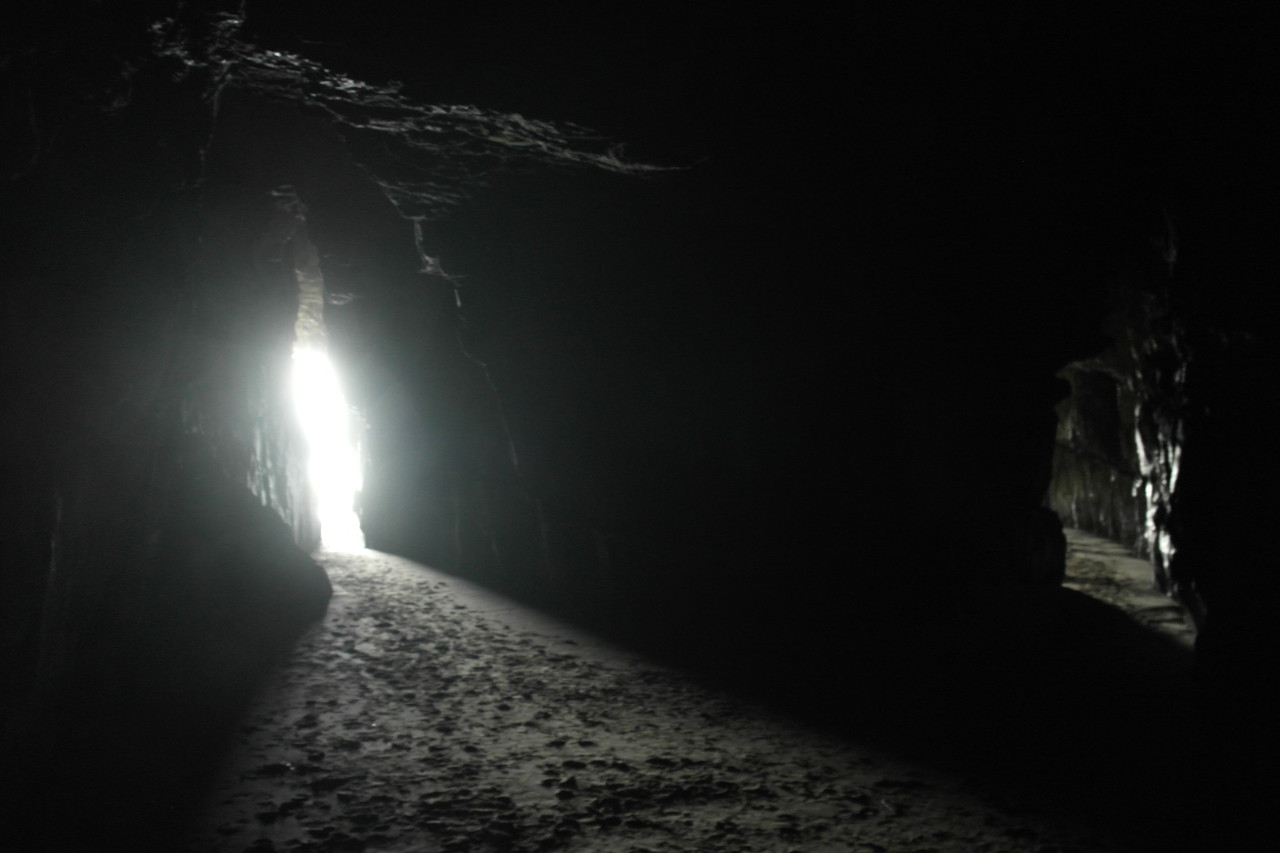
<point x="156" y="524"/>
<point x="1161" y="444"/>
<point x="1122" y="428"/>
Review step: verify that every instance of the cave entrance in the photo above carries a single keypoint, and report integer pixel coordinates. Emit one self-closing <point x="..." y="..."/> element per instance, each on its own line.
<point x="333" y="457"/>
<point x="329" y="425"/>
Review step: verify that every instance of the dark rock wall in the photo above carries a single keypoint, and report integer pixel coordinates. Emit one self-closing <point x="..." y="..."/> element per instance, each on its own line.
<point x="751" y="397"/>
<point x="701" y="405"/>
<point x="155" y="523"/>
<point x="1122" y="428"/>
<point x="1161" y="442"/>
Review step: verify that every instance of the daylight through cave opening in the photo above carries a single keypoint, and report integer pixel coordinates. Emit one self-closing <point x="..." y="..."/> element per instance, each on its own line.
<point x="333" y="459"/>
<point x="329" y="426"/>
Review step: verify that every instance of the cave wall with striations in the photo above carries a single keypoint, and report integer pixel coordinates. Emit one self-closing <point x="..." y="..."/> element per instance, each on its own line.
<point x="1162" y="443"/>
<point x="1159" y="443"/>
<point x="155" y="521"/>
<point x="1122" y="427"/>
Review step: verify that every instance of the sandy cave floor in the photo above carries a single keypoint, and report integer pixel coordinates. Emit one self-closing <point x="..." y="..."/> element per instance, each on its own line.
<point x="425" y="714"/>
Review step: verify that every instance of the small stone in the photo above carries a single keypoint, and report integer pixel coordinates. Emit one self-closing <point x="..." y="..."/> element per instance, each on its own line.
<point x="278" y="768"/>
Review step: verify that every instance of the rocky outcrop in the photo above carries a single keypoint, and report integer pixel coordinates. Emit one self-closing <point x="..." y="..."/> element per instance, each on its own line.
<point x="1122" y="428"/>
<point x="1163" y="444"/>
<point x="156" y="525"/>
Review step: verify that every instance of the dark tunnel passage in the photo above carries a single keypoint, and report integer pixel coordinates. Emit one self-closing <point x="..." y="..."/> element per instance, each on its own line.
<point x="797" y="393"/>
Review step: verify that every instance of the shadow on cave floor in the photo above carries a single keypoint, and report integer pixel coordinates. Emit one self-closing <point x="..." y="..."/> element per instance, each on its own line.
<point x="427" y="713"/>
<point x="1078" y="704"/>
<point x="1047" y="701"/>
<point x="119" y="757"/>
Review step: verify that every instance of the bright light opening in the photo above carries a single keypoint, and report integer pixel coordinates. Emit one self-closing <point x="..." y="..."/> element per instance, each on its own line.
<point x="333" y="463"/>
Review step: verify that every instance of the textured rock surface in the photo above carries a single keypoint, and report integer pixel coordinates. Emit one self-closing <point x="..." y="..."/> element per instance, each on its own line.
<point x="153" y="555"/>
<point x="1122" y="429"/>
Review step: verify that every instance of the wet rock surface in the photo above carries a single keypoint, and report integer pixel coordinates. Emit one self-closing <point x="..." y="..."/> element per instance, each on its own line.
<point x="1111" y="573"/>
<point x="420" y="717"/>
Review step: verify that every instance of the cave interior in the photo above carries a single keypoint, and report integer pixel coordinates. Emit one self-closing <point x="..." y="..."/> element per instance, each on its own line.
<point x="820" y="365"/>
